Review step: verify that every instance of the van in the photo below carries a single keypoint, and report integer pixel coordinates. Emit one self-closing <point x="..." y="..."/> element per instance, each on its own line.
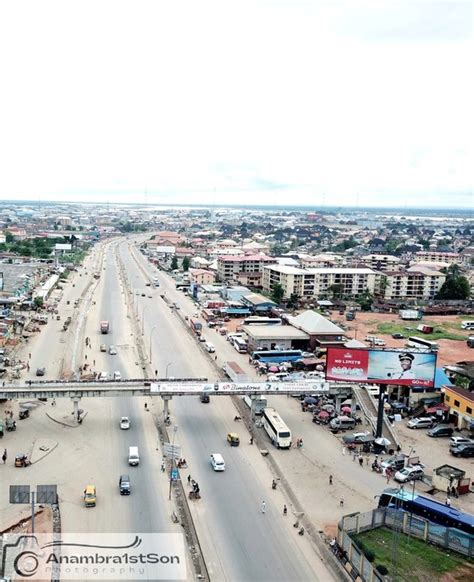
<point x="470" y="341"/>
<point x="217" y="462"/>
<point x="467" y="324"/>
<point x="422" y="422"/>
<point x="440" y="431"/>
<point x="124" y="485"/>
<point x="342" y="423"/>
<point x="133" y="456"/>
<point x="210" y="347"/>
<point x="90" y="496"/>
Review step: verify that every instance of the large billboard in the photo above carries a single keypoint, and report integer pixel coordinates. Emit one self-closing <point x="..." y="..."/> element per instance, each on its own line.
<point x="381" y="366"/>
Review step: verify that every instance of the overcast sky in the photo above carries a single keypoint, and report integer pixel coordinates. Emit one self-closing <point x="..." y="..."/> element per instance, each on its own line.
<point x="258" y="102"/>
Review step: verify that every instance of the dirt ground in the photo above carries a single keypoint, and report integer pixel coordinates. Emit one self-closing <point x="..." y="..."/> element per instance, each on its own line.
<point x="43" y="523"/>
<point x="450" y="351"/>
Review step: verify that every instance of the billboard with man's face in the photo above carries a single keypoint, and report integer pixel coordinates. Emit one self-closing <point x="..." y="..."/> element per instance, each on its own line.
<point x="381" y="366"/>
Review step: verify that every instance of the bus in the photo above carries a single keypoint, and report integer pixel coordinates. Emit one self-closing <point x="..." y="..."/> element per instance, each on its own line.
<point x="277" y="356"/>
<point x="240" y="345"/>
<point x="276" y="429"/>
<point x="428" y="509"/>
<point x="422" y="344"/>
<point x="262" y="321"/>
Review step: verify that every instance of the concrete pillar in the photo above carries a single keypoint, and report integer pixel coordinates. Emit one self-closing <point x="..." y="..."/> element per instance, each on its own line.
<point x="75" y="404"/>
<point x="166" y="401"/>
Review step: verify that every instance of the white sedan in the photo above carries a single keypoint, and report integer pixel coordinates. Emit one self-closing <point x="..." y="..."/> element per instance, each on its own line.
<point x="124" y="423"/>
<point x="409" y="474"/>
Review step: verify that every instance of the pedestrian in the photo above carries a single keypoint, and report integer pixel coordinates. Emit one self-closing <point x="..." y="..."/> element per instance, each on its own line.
<point x="53" y="403"/>
<point x="29" y="355"/>
<point x="251" y="440"/>
<point x="85" y="356"/>
<point x="263" y="507"/>
<point x="156" y="372"/>
<point x="4" y="456"/>
<point x="330" y="479"/>
<point x="285" y="510"/>
<point x="448" y="502"/>
<point x="354" y="455"/>
<point x="27" y="367"/>
<point x="215" y="357"/>
<point x="388" y="474"/>
<point x="343" y="450"/>
<point x="189" y="479"/>
<point x="163" y="466"/>
<point x="341" y="502"/>
<point x="361" y="461"/>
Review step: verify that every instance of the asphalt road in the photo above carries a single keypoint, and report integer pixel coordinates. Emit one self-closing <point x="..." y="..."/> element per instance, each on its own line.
<point x="240" y="543"/>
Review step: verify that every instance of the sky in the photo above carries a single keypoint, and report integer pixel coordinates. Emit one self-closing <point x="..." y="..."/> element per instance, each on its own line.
<point x="357" y="103"/>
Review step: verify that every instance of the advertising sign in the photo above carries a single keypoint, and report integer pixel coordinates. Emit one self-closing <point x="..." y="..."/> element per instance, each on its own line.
<point x="226" y="388"/>
<point x="407" y="368"/>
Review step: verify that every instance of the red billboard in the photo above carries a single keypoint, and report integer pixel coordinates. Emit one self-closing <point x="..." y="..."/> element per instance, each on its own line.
<point x="360" y="365"/>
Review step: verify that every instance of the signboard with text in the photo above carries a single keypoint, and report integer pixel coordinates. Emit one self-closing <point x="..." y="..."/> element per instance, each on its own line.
<point x="360" y="365"/>
<point x="242" y="388"/>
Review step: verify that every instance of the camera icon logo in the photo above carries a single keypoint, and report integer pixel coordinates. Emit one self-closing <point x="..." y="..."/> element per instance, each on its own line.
<point x="21" y="555"/>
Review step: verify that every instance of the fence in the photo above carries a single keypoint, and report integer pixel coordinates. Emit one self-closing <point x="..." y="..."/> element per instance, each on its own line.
<point x="400" y="522"/>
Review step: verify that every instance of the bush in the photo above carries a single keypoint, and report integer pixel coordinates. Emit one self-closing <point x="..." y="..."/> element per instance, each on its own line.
<point x="381" y="569"/>
<point x="369" y="554"/>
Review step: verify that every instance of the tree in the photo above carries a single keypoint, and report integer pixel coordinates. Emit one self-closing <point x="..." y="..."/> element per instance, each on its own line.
<point x="9" y="238"/>
<point x="456" y="285"/>
<point x="293" y="301"/>
<point x="174" y="263"/>
<point x="335" y="290"/>
<point x="365" y="300"/>
<point x="38" y="301"/>
<point x="277" y="293"/>
<point x="185" y="264"/>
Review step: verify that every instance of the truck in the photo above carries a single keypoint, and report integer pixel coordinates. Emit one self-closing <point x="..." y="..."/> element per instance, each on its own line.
<point x="196" y="326"/>
<point x="410" y="314"/>
<point x="259" y="403"/>
<point x="235" y="372"/>
<point x="104" y="327"/>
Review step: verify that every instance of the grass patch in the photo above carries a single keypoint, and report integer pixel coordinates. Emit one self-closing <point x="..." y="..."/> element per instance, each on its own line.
<point x="440" y="331"/>
<point x="416" y="560"/>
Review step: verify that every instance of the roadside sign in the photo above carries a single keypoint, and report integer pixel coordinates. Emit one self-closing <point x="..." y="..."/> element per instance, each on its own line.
<point x="172" y="450"/>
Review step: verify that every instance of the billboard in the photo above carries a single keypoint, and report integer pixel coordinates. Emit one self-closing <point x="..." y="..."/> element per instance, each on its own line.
<point x="407" y="368"/>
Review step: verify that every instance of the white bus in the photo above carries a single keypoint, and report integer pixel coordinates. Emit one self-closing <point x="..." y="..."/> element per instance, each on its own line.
<point x="277" y="430"/>
<point x="240" y="345"/>
<point x="422" y="344"/>
<point x="467" y="324"/>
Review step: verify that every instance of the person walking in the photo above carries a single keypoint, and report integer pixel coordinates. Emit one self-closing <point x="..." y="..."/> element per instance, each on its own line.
<point x="251" y="440"/>
<point x="341" y="501"/>
<point x="361" y="461"/>
<point x="189" y="479"/>
<point x="263" y="507"/>
<point x="285" y="510"/>
<point x="330" y="479"/>
<point x="4" y="456"/>
<point x="163" y="466"/>
<point x="448" y="502"/>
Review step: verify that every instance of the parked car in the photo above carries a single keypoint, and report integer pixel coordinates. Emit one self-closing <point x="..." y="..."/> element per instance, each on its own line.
<point x="103" y="348"/>
<point x="411" y="473"/>
<point x="102" y="376"/>
<point x="460" y="440"/>
<point x="40" y="371"/>
<point x="117" y="376"/>
<point x="466" y="450"/>
<point x="357" y="438"/>
<point x="422" y="422"/>
<point x="205" y="399"/>
<point x="113" y="351"/>
<point x="398" y="336"/>
<point x="394" y="463"/>
<point x="440" y="431"/>
<point x="124" y="423"/>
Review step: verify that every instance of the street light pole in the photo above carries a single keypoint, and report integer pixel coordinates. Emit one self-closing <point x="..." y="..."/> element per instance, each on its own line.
<point x="175" y="430"/>
<point x="167" y="366"/>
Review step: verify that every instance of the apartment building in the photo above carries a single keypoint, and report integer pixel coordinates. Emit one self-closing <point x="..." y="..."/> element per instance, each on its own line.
<point x="379" y="262"/>
<point x="419" y="283"/>
<point x="437" y="257"/>
<point x="247" y="269"/>
<point x="201" y="277"/>
<point x="316" y="282"/>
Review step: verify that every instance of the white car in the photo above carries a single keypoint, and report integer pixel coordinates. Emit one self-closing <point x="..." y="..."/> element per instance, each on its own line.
<point x="102" y="376"/>
<point x="124" y="423"/>
<point x="117" y="376"/>
<point x="409" y="474"/>
<point x="113" y="351"/>
<point x="217" y="462"/>
<point x="459" y="440"/>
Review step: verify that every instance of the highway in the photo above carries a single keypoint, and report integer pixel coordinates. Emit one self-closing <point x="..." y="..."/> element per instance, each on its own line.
<point x="239" y="542"/>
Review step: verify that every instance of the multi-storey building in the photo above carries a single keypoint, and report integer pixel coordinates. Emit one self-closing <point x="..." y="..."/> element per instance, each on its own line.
<point x="308" y="283"/>
<point x="247" y="269"/>
<point x="435" y="256"/>
<point x="413" y="284"/>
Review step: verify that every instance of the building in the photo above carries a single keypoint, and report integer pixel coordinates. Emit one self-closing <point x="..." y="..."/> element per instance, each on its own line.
<point x="164" y="238"/>
<point x="246" y="269"/>
<point x="436" y="256"/>
<point x="306" y="283"/>
<point x="201" y="277"/>
<point x="322" y="332"/>
<point x="413" y="284"/>
<point x="379" y="262"/>
<point x="461" y="405"/>
<point x="257" y="303"/>
<point x="275" y="337"/>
